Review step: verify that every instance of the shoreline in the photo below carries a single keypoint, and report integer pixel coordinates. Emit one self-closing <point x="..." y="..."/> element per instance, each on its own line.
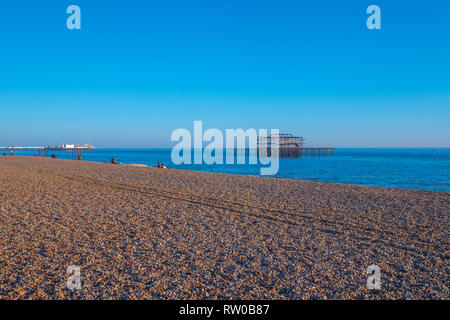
<point x="149" y="233"/>
<point x="139" y="165"/>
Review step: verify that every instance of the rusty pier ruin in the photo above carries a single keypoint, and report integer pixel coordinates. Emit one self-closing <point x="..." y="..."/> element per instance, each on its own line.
<point x="291" y="146"/>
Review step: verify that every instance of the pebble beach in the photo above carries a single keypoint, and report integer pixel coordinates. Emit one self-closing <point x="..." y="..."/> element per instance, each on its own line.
<point x="138" y="232"/>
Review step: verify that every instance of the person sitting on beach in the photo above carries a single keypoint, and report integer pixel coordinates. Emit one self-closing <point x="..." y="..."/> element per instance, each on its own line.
<point x="160" y="165"/>
<point x="114" y="160"/>
<point x="53" y="156"/>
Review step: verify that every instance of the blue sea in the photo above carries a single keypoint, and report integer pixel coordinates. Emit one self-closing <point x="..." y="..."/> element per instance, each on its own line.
<point x="423" y="169"/>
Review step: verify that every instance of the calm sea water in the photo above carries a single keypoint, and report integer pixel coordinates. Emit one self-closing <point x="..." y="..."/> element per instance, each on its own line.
<point x="424" y="169"/>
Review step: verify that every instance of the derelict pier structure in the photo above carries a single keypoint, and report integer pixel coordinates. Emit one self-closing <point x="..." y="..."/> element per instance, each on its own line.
<point x="291" y="146"/>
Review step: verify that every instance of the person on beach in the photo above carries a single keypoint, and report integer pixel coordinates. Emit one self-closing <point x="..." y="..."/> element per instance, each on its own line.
<point x="114" y="160"/>
<point x="160" y="165"/>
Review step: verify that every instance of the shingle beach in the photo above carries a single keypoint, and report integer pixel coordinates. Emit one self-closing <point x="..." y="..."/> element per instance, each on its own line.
<point x="149" y="233"/>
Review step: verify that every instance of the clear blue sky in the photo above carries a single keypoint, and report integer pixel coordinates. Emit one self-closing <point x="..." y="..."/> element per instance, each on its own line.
<point x="139" y="69"/>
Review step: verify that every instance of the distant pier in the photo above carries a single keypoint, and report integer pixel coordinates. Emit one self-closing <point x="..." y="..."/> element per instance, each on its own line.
<point x="290" y="146"/>
<point x="77" y="151"/>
